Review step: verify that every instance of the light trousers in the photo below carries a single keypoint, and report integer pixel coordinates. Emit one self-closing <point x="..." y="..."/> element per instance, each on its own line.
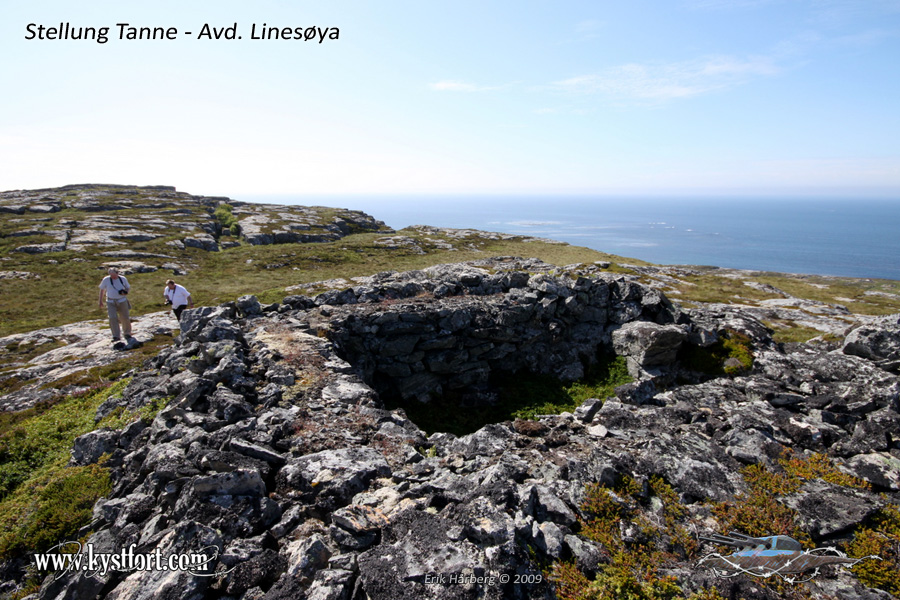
<point x="118" y="313"/>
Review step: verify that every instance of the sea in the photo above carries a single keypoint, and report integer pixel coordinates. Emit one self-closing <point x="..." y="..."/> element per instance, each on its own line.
<point x="839" y="237"/>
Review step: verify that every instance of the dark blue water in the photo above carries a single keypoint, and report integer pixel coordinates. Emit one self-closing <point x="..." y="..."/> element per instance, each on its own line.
<point x="856" y="238"/>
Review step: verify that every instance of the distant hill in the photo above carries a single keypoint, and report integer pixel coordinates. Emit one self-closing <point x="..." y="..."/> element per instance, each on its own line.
<point x="55" y="245"/>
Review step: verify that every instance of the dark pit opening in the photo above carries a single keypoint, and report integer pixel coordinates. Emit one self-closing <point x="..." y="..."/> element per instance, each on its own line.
<point x="508" y="396"/>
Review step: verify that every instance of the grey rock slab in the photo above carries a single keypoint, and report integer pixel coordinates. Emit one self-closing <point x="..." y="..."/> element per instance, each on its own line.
<point x="340" y="474"/>
<point x="256" y="451"/>
<point x="359" y="519"/>
<point x="880" y="469"/>
<point x="348" y="390"/>
<point x="875" y="342"/>
<point x="89" y="447"/>
<point x="648" y="343"/>
<point x="307" y="555"/>
<point x="240" y="482"/>
<point x="152" y="584"/>
<point x="826" y="509"/>
<point x="544" y="505"/>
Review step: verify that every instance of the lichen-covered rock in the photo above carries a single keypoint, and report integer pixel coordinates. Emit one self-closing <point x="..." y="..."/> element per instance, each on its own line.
<point x="276" y="451"/>
<point x="648" y="344"/>
<point x="333" y="475"/>
<point x="879" y="341"/>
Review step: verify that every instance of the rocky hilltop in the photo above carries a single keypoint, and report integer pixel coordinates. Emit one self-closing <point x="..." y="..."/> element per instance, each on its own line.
<point x="305" y="447"/>
<point x="276" y="451"/>
<point x="56" y="243"/>
<point x="162" y="211"/>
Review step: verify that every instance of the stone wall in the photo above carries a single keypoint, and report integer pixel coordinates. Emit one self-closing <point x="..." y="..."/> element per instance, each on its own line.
<point x="421" y="334"/>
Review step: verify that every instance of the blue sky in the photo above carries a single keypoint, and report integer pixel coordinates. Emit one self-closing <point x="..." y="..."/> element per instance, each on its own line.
<point x="684" y="97"/>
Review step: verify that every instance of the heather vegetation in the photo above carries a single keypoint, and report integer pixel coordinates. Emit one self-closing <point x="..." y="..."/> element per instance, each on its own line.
<point x="42" y="500"/>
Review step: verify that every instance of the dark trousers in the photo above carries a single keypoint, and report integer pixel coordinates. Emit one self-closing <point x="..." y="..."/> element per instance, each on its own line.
<point x="178" y="310"/>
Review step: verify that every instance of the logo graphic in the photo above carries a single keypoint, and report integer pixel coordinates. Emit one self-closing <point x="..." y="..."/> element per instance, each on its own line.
<point x="774" y="555"/>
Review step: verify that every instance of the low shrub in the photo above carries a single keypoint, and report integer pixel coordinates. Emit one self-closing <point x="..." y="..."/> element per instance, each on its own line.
<point x="42" y="501"/>
<point x="226" y="219"/>
<point x="881" y="539"/>
<point x="632" y="568"/>
<point x="50" y="507"/>
<point x="819" y="466"/>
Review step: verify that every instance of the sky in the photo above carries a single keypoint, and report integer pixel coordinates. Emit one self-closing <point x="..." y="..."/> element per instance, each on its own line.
<point x="676" y="97"/>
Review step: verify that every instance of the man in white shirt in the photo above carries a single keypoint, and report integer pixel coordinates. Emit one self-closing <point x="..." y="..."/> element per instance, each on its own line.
<point x="178" y="297"/>
<point x="114" y="291"/>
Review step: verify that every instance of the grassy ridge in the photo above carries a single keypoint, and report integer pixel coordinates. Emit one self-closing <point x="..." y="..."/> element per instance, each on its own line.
<point x="67" y="292"/>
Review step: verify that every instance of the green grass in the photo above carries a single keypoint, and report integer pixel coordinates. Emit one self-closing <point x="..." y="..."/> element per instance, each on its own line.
<point x="34" y="438"/>
<point x="50" y="507"/>
<point x="529" y="396"/>
<point x="787" y="332"/>
<point x="43" y="502"/>
<point x="806" y="286"/>
<point x="67" y="291"/>
<point x="715" y="288"/>
<point x="521" y="396"/>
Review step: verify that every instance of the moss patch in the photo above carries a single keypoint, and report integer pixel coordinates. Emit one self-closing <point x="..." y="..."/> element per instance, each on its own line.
<point x="731" y="355"/>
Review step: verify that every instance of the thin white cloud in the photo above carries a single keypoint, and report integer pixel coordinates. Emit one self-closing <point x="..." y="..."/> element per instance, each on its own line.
<point x="588" y="30"/>
<point x="871" y="37"/>
<point x="660" y="82"/>
<point x="588" y="26"/>
<point x="449" y="85"/>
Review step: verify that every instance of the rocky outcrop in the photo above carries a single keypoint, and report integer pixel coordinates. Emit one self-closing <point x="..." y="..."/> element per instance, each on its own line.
<point x="878" y="341"/>
<point x="277" y="457"/>
<point x="62" y="353"/>
<point x="114" y="216"/>
<point x="648" y="344"/>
